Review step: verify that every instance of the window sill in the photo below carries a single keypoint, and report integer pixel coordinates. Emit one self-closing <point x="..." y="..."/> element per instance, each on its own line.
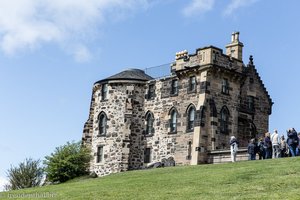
<point x="103" y="100"/>
<point x="101" y="135"/>
<point x="191" y="91"/>
<point x="190" y="130"/>
<point x="225" y="93"/>
<point x="174" y="95"/>
<point x="149" y="135"/>
<point x="172" y="133"/>
<point x="150" y="98"/>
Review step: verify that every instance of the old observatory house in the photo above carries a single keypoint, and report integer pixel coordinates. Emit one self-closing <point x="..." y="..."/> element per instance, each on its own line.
<point x="188" y="116"/>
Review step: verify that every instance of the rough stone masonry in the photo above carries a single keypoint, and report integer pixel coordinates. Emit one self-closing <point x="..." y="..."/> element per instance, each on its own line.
<point x="187" y="117"/>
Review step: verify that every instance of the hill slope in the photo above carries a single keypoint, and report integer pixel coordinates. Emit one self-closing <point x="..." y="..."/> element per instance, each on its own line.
<point x="267" y="179"/>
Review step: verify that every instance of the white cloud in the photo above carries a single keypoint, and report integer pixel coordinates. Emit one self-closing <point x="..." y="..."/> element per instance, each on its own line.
<point x="198" y="7"/>
<point x="82" y="54"/>
<point x="236" y="4"/>
<point x="3" y="181"/>
<point x="28" y="24"/>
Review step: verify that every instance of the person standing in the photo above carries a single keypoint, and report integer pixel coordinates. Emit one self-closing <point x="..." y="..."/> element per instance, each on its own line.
<point x="267" y="146"/>
<point x="233" y="148"/>
<point x="292" y="141"/>
<point x="252" y="149"/>
<point x="283" y="149"/>
<point x="275" y="144"/>
<point x="260" y="148"/>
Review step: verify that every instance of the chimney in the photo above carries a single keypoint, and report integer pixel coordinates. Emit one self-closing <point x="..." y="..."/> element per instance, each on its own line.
<point x="235" y="48"/>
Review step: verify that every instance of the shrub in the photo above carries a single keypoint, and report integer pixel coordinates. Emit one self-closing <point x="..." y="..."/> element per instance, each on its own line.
<point x="68" y="161"/>
<point x="27" y="174"/>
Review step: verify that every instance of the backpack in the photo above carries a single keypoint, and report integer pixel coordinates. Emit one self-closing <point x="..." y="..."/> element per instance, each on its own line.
<point x="234" y="147"/>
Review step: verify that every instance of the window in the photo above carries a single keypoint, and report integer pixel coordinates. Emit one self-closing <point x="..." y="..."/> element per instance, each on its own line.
<point x="104" y="92"/>
<point x="151" y="91"/>
<point x="250" y="102"/>
<point x="102" y="123"/>
<point x="174" y="87"/>
<point x="189" y="156"/>
<point x="173" y="121"/>
<point x="224" y="119"/>
<point x="147" y="154"/>
<point x="149" y="123"/>
<point x="225" y="86"/>
<point x="192" y="83"/>
<point x="99" y="157"/>
<point x="191" y="118"/>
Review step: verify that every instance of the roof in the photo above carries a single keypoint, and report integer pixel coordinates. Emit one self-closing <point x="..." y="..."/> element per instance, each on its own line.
<point x="129" y="74"/>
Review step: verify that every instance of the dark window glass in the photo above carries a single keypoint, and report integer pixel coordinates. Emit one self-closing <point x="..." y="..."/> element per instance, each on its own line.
<point x="149" y="123"/>
<point x="173" y="121"/>
<point x="224" y="120"/>
<point x="147" y="154"/>
<point x="225" y="86"/>
<point x="104" y="92"/>
<point x="99" y="154"/>
<point x="251" y="103"/>
<point x="174" y="87"/>
<point x="151" y="91"/>
<point x="189" y="156"/>
<point x="102" y="124"/>
<point x="191" y="119"/>
<point x="192" y="83"/>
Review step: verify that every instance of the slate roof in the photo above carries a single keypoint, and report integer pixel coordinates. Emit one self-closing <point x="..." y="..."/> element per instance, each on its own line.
<point x="129" y="74"/>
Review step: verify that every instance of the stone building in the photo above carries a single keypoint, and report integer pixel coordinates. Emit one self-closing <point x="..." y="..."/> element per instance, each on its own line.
<point x="188" y="116"/>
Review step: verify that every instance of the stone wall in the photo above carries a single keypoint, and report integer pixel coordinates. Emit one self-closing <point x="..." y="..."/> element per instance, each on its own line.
<point x="129" y="101"/>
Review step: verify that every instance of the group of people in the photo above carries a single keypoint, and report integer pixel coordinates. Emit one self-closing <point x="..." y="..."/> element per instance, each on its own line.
<point x="270" y="146"/>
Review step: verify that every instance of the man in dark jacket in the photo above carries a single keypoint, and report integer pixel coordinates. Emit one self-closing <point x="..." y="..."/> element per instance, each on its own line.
<point x="293" y="141"/>
<point x="252" y="149"/>
<point x="267" y="146"/>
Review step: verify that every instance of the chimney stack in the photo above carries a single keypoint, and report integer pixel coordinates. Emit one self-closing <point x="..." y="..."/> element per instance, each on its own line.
<point x="235" y="48"/>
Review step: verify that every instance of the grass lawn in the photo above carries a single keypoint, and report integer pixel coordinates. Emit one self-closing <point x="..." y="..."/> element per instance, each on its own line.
<point x="265" y="179"/>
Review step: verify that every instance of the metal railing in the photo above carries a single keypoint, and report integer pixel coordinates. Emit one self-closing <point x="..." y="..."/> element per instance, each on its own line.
<point x="159" y="71"/>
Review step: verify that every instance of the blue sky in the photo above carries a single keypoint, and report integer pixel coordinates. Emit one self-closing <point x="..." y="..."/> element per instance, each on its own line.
<point x="52" y="51"/>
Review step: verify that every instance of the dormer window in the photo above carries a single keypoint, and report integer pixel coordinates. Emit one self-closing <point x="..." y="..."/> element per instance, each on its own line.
<point x="192" y="84"/>
<point x="225" y="86"/>
<point x="174" y="87"/>
<point x="104" y="92"/>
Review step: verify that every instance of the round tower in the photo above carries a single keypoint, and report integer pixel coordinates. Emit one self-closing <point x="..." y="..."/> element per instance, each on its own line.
<point x="114" y="128"/>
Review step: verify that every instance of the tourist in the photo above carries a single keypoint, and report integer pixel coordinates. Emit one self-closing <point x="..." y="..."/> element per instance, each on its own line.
<point x="293" y="142"/>
<point x="283" y="147"/>
<point x="233" y="148"/>
<point x="298" y="148"/>
<point x="275" y="144"/>
<point x="267" y="146"/>
<point x="252" y="149"/>
<point x="260" y="148"/>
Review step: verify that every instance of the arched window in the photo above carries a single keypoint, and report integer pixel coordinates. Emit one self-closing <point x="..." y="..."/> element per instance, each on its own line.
<point x="190" y="118"/>
<point x="224" y="119"/>
<point x="102" y="123"/>
<point x="149" y="123"/>
<point x="173" y="120"/>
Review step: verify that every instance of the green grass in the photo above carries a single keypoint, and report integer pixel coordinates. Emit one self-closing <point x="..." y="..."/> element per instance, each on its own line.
<point x="267" y="179"/>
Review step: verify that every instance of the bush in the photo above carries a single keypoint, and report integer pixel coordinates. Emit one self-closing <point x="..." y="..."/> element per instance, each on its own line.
<point x="27" y="174"/>
<point x="68" y="161"/>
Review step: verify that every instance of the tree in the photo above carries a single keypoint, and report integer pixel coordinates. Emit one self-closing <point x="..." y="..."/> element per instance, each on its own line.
<point x="27" y="174"/>
<point x="68" y="161"/>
